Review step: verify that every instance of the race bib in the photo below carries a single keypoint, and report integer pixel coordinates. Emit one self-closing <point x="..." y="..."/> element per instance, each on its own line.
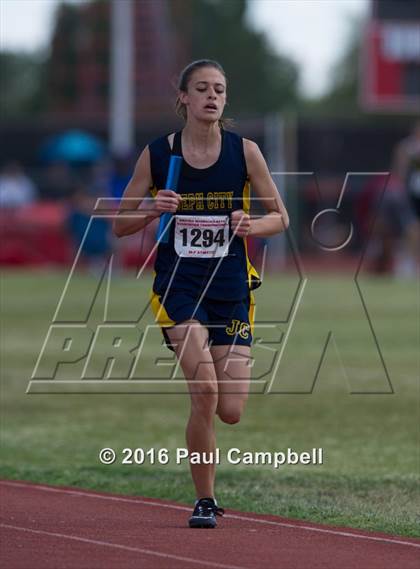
<point x="202" y="235"/>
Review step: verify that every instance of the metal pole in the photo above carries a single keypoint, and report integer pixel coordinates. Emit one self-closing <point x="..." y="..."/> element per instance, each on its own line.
<point x="121" y="117"/>
<point x="274" y="130"/>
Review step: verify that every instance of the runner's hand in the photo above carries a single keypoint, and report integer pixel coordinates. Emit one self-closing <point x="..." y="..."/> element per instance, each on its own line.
<point x="166" y="201"/>
<point x="240" y="223"/>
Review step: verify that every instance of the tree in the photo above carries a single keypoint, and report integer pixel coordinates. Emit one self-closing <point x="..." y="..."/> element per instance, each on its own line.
<point x="23" y="89"/>
<point x="259" y="79"/>
<point x="343" y="93"/>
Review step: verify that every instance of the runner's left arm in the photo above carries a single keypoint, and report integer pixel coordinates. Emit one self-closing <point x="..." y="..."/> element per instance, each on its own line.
<point x="276" y="219"/>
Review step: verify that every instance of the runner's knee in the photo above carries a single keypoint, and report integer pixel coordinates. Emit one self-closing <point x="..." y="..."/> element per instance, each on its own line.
<point x="204" y="399"/>
<point x="229" y="415"/>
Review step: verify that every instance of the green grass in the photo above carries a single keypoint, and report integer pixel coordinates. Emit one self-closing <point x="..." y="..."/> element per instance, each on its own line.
<point x="370" y="439"/>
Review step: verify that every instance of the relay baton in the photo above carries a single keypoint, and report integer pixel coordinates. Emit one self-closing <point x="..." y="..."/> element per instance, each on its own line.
<point x="171" y="184"/>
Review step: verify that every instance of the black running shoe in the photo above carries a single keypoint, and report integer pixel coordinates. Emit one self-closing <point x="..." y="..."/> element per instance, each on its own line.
<point x="204" y="514"/>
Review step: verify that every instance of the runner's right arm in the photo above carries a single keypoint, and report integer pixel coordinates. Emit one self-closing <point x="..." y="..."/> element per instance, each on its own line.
<point x="136" y="210"/>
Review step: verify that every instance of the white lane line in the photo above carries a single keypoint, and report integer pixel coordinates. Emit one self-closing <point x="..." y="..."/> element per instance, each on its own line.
<point x="233" y="516"/>
<point x="124" y="547"/>
<point x="324" y="530"/>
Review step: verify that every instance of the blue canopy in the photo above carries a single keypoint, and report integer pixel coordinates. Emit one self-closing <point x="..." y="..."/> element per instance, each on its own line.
<point x="73" y="146"/>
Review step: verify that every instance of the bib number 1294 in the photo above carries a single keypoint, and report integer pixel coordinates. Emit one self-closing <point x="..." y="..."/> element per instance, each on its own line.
<point x="202" y="236"/>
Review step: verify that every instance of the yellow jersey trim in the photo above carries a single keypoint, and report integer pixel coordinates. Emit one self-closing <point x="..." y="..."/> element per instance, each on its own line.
<point x="254" y="280"/>
<point x="251" y="311"/>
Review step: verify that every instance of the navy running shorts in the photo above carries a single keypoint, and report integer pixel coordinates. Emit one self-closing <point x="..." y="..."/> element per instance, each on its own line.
<point x="228" y="322"/>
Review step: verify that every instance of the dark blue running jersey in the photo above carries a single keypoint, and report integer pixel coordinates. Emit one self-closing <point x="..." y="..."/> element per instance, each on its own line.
<point x="202" y="256"/>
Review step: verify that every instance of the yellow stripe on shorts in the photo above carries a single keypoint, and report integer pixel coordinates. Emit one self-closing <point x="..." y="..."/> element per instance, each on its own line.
<point x="161" y="316"/>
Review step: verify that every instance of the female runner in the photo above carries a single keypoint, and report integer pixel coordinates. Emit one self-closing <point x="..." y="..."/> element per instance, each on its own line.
<point x="202" y="291"/>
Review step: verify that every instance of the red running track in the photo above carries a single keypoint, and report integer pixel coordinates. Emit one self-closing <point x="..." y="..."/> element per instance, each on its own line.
<point x="46" y="527"/>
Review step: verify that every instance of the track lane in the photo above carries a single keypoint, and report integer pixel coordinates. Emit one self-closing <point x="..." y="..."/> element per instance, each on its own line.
<point x="97" y="528"/>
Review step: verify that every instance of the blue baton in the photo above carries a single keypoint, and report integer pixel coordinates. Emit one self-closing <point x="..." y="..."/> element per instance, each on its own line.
<point x="171" y="184"/>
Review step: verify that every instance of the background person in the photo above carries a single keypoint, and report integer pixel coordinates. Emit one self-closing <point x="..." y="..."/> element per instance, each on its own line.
<point x="92" y="235"/>
<point x="16" y="188"/>
<point x="406" y="177"/>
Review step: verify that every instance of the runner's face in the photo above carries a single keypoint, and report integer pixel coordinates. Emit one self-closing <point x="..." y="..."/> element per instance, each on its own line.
<point x="206" y="94"/>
